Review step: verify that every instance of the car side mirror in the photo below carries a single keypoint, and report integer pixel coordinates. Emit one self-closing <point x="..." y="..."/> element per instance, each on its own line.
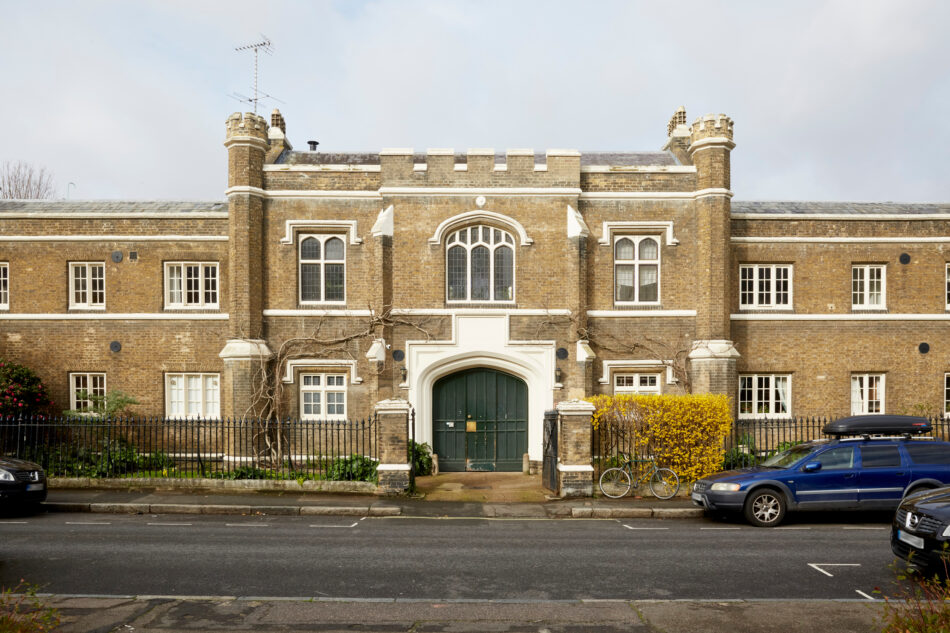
<point x="812" y="467"/>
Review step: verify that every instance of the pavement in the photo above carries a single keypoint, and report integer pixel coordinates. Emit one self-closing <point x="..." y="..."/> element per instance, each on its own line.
<point x="489" y="495"/>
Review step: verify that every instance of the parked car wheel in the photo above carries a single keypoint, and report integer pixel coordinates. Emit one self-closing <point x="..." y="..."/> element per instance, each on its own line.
<point x="765" y="508"/>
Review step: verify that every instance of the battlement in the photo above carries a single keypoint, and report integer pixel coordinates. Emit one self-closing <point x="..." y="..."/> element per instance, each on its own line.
<point x="711" y="125"/>
<point x="246" y="125"/>
<point x="480" y="167"/>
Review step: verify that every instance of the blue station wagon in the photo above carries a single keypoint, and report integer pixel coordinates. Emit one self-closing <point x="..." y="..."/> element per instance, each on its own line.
<point x="873" y="469"/>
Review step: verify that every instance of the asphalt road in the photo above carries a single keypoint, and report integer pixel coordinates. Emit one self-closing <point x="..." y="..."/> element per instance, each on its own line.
<point x="443" y="559"/>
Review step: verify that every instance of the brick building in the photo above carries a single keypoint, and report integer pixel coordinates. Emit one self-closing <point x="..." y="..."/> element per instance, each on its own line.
<point x="481" y="287"/>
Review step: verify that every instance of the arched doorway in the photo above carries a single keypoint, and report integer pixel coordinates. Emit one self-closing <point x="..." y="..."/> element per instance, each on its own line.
<point x="480" y="421"/>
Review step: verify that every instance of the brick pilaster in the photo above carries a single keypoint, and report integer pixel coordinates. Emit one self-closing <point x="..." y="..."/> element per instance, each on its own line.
<point x="392" y="416"/>
<point x="575" y="467"/>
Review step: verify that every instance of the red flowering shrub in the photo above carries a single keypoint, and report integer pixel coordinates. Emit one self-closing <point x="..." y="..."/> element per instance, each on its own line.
<point x="21" y="391"/>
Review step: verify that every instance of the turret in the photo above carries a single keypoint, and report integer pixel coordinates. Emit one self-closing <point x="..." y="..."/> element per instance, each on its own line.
<point x="246" y="141"/>
<point x="709" y="148"/>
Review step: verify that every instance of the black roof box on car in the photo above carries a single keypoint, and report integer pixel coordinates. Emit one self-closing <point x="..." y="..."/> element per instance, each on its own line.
<point x="878" y="425"/>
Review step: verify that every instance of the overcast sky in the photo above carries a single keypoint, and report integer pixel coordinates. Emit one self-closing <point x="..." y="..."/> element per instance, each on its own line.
<point x="840" y="100"/>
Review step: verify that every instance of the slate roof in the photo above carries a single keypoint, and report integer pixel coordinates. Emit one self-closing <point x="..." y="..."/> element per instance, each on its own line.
<point x="123" y="207"/>
<point x="619" y="159"/>
<point x="797" y="207"/>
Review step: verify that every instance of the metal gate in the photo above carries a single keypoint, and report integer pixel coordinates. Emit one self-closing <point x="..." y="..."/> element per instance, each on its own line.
<point x="549" y="463"/>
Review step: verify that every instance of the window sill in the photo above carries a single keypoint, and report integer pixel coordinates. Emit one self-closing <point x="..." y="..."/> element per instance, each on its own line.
<point x="874" y="310"/>
<point x="481" y="304"/>
<point x="626" y="305"/>
<point x="87" y="309"/>
<point x="782" y="310"/>
<point x="213" y="308"/>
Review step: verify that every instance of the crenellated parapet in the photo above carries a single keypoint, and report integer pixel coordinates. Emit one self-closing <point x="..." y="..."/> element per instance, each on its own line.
<point x="712" y="128"/>
<point x="479" y="168"/>
<point x="247" y="128"/>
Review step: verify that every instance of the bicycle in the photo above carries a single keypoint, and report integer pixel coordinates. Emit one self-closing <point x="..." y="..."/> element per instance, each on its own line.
<point x="618" y="481"/>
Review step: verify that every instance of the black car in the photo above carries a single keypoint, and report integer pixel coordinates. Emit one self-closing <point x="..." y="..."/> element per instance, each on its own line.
<point x="921" y="529"/>
<point x="22" y="483"/>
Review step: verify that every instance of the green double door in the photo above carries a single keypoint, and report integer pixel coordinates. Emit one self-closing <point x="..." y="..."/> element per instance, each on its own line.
<point x="480" y="421"/>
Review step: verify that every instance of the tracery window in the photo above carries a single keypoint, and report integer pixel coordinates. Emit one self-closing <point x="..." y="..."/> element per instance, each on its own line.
<point x="480" y="265"/>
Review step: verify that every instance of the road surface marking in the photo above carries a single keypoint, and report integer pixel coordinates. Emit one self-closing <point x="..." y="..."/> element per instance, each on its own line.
<point x="336" y="526"/>
<point x="735" y="528"/>
<point x="246" y="525"/>
<point x="86" y="523"/>
<point x="13" y="522"/>
<point x="793" y="528"/>
<point x="644" y="528"/>
<point x="172" y="524"/>
<point x="865" y="528"/>
<point x="861" y="593"/>
<point x="818" y="567"/>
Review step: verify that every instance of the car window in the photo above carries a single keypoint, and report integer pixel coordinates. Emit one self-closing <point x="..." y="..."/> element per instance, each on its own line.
<point x="788" y="457"/>
<point x="880" y="456"/>
<point x="837" y="458"/>
<point x="929" y="453"/>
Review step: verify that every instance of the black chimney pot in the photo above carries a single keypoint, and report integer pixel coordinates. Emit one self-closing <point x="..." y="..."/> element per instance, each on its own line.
<point x="313" y="145"/>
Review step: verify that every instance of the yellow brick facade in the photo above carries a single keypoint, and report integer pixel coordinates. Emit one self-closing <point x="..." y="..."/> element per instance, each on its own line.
<point x="395" y="332"/>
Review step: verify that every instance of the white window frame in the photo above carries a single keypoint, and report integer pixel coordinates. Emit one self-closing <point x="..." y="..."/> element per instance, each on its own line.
<point x="91" y="388"/>
<point x="507" y="240"/>
<point x="948" y="286"/>
<point x="635" y="379"/>
<point x="865" y="293"/>
<point x="861" y="406"/>
<point x="4" y="286"/>
<point x="323" y="389"/>
<point x="208" y="396"/>
<point x="757" y="402"/>
<point x="636" y="263"/>
<point x="323" y="238"/>
<point x="757" y="281"/>
<point x="88" y="269"/>
<point x="946" y="395"/>
<point x="184" y="304"/>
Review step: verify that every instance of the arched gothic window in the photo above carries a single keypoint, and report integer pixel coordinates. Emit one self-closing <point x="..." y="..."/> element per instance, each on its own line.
<point x="480" y="265"/>
<point x="636" y="270"/>
<point x="322" y="270"/>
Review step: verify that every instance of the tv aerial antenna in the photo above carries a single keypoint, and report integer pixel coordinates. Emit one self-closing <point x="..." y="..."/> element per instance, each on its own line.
<point x="264" y="45"/>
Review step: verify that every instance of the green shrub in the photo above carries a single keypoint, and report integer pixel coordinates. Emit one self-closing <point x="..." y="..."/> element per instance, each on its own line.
<point x="421" y="458"/>
<point x="22" y="612"/>
<point x="114" y="404"/>
<point x="352" y="468"/>
<point x="21" y="391"/>
<point x="921" y="603"/>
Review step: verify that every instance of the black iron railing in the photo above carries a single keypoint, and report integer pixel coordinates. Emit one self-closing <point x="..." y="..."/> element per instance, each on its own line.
<point x="228" y="449"/>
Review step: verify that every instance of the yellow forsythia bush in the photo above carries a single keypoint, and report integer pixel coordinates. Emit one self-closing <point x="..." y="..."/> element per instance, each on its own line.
<point x="682" y="432"/>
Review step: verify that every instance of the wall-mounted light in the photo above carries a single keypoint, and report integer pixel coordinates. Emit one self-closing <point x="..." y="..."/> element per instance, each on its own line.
<point x="557" y="374"/>
<point x="403" y="373"/>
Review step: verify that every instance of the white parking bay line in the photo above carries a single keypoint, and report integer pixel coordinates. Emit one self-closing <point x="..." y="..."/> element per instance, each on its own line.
<point x="818" y="567"/>
<point x="13" y="522"/>
<point x="172" y="524"/>
<point x="336" y="526"/>
<point x="861" y="593"/>
<point x="87" y="523"/>
<point x="793" y="528"/>
<point x="246" y="525"/>
<point x="865" y="528"/>
<point x="732" y="528"/>
<point x="630" y="527"/>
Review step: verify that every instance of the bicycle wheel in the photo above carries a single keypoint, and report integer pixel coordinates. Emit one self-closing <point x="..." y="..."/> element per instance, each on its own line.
<point x="664" y="483"/>
<point x="615" y="483"/>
